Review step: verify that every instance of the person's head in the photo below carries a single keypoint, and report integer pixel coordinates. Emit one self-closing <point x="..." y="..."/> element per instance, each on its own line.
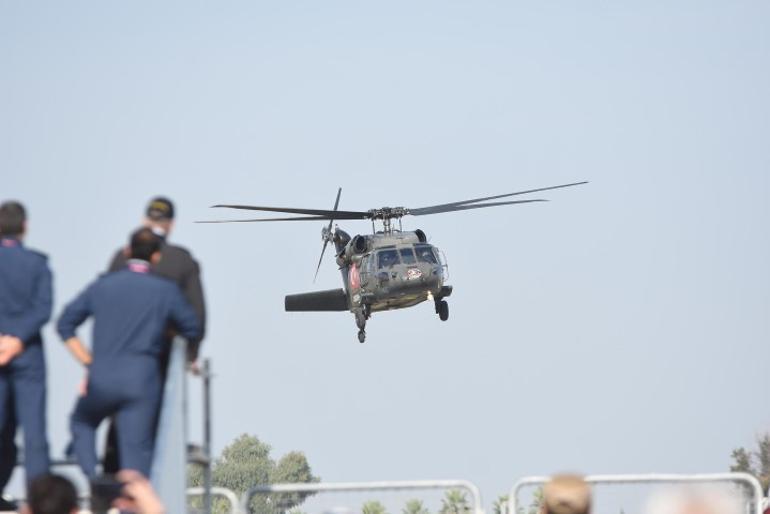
<point x="159" y="215"/>
<point x="52" y="494"/>
<point x="13" y="219"/>
<point x="566" y="494"/>
<point x="696" y="499"/>
<point x="145" y="245"/>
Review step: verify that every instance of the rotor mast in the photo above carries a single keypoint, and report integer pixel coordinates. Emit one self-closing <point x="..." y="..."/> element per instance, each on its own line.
<point x="386" y="215"/>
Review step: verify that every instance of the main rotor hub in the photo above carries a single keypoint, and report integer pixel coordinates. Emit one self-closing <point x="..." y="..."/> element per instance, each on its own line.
<point x="387" y="213"/>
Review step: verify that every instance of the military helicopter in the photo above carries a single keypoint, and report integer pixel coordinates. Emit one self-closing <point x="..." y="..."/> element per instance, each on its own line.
<point x="387" y="269"/>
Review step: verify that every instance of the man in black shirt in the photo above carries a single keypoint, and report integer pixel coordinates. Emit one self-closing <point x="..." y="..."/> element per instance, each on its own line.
<point x="178" y="265"/>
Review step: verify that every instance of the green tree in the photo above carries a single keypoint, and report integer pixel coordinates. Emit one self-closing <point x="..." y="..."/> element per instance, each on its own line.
<point x="455" y="502"/>
<point x="246" y="462"/>
<point x="501" y="505"/>
<point x="373" y="507"/>
<point x="536" y="505"/>
<point x="756" y="463"/>
<point x="414" y="507"/>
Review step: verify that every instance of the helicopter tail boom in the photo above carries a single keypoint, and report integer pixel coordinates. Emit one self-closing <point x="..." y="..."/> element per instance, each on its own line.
<point x="317" y="301"/>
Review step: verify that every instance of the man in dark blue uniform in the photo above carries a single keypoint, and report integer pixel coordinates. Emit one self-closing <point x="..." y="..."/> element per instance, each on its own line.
<point x="130" y="308"/>
<point x="25" y="306"/>
<point x="178" y="265"/>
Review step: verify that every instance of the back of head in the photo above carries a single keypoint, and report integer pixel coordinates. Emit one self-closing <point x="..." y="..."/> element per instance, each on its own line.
<point x="12" y="218"/>
<point x="698" y="499"/>
<point x="52" y="494"/>
<point x="144" y="243"/>
<point x="566" y="494"/>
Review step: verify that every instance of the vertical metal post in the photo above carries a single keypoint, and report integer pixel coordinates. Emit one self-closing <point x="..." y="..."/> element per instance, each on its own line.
<point x="207" y="436"/>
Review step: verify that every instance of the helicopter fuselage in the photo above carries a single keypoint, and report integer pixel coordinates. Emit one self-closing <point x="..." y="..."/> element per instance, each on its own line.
<point x="386" y="271"/>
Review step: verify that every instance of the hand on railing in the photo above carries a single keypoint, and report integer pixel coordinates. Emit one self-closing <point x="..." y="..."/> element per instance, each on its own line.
<point x="138" y="494"/>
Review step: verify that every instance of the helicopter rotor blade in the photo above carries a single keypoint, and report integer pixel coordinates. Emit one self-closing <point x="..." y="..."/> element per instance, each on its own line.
<point x="437" y="209"/>
<point x="296" y="218"/>
<point x="327" y="235"/>
<point x="487" y="198"/>
<point x="343" y="215"/>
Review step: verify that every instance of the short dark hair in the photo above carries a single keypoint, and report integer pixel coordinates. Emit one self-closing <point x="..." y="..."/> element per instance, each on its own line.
<point x="144" y="243"/>
<point x="52" y="494"/>
<point x="12" y="218"/>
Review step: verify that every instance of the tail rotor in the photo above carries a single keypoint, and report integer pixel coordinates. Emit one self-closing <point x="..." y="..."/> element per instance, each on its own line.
<point x="326" y="234"/>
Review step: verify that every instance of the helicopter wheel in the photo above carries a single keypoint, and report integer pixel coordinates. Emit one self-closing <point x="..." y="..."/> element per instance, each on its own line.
<point x="361" y="336"/>
<point x="442" y="308"/>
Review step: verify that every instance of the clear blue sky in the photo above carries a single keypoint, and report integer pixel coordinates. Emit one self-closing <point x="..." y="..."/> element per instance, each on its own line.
<point x="622" y="327"/>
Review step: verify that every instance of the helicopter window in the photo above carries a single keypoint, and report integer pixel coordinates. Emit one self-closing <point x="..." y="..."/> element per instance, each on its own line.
<point x="366" y="264"/>
<point x="387" y="258"/>
<point x="407" y="256"/>
<point x="425" y="254"/>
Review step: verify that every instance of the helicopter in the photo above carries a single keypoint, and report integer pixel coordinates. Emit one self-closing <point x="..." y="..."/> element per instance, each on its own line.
<point x="387" y="269"/>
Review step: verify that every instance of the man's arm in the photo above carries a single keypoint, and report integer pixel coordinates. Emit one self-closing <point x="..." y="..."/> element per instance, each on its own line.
<point x="193" y="292"/>
<point x="184" y="317"/>
<point x="75" y="313"/>
<point x="40" y="311"/>
<point x="79" y="351"/>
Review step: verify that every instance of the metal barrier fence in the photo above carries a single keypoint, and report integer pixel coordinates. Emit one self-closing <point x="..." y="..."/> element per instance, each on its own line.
<point x="757" y="500"/>
<point x="227" y="494"/>
<point x="364" y="487"/>
<point x="169" y="466"/>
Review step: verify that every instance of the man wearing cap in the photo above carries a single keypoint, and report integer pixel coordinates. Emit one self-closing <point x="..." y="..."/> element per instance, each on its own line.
<point x="176" y="264"/>
<point x="131" y="309"/>
<point x="25" y="306"/>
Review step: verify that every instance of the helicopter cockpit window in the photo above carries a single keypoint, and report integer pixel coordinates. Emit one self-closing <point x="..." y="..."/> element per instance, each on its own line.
<point x="387" y="258"/>
<point x="425" y="254"/>
<point x="407" y="256"/>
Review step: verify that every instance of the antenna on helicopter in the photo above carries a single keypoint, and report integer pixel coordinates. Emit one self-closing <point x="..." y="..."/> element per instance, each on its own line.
<point x="326" y="234"/>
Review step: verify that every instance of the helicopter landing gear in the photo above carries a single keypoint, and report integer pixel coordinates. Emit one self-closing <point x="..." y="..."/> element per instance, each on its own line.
<point x="442" y="309"/>
<point x="361" y="316"/>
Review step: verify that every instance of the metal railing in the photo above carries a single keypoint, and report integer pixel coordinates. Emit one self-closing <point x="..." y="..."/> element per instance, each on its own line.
<point x="222" y="492"/>
<point x="364" y="487"/>
<point x="169" y="465"/>
<point x="652" y="478"/>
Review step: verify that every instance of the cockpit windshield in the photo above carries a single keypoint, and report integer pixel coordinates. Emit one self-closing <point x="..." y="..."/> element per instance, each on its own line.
<point x="407" y="256"/>
<point x="425" y="254"/>
<point x="387" y="258"/>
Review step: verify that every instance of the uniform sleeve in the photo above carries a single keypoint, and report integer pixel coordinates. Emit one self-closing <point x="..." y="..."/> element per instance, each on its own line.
<point x="75" y="313"/>
<point x="118" y="261"/>
<point x="193" y="292"/>
<point x="40" y="311"/>
<point x="184" y="317"/>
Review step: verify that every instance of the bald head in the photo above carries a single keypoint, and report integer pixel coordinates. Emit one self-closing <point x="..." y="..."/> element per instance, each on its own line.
<point x="566" y="494"/>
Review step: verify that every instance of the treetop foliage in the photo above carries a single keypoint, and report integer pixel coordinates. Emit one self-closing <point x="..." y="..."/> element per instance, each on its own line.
<point x="246" y="462"/>
<point x="756" y="463"/>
